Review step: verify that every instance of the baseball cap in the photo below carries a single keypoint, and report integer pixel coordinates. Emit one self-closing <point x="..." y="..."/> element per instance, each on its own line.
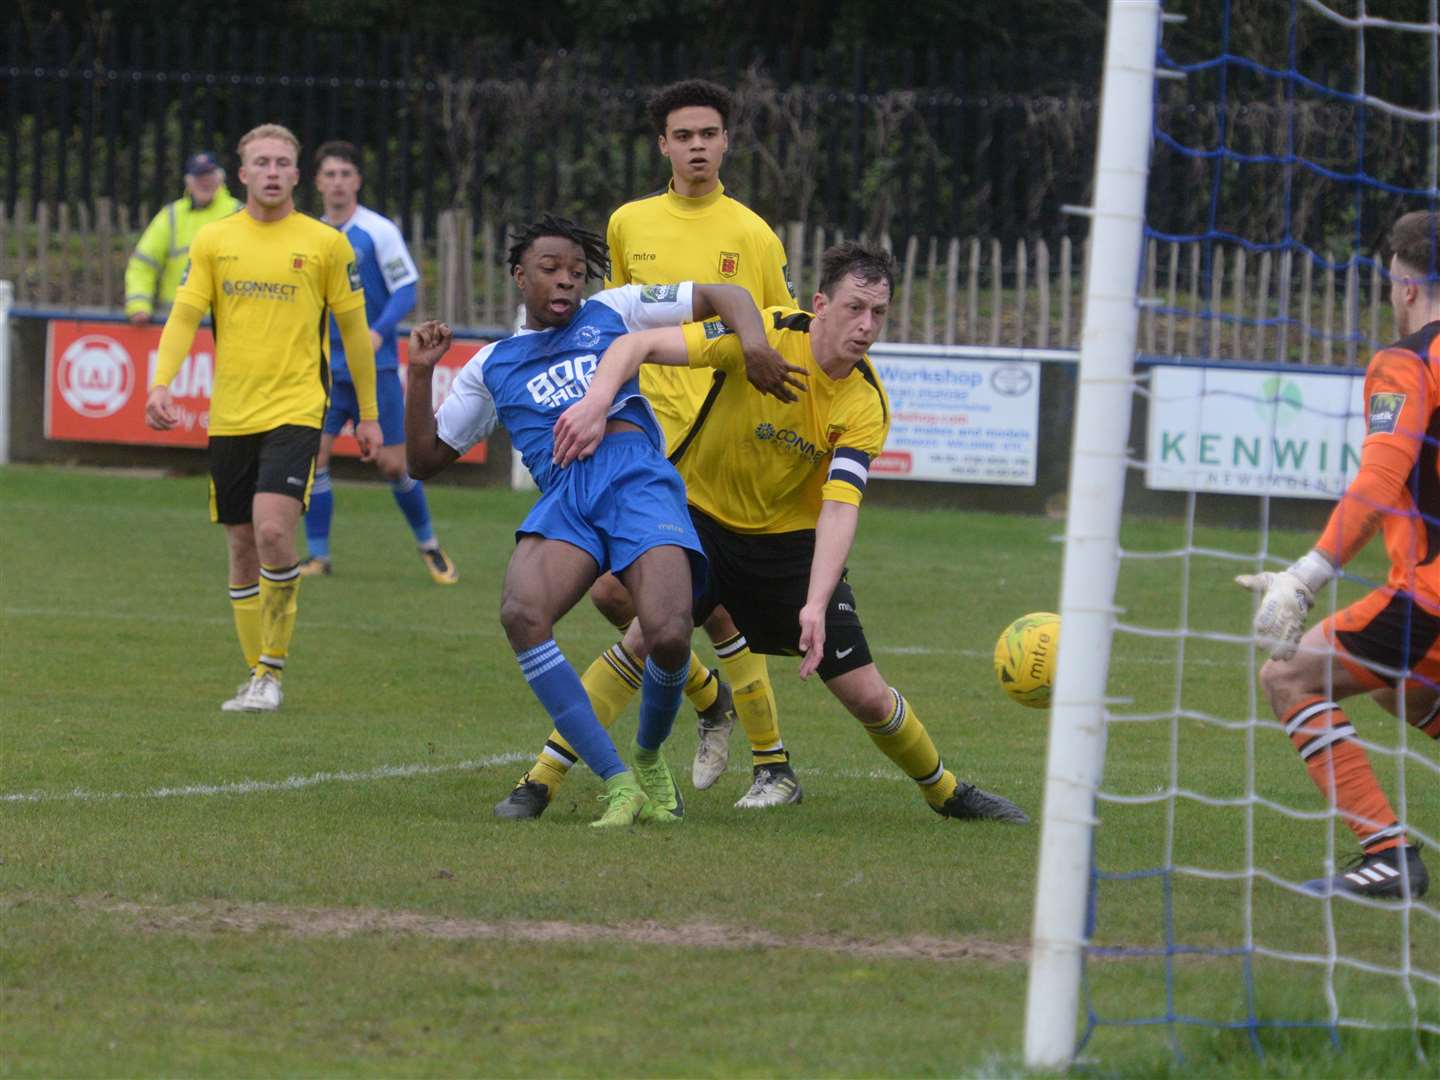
<point x="201" y="163"/>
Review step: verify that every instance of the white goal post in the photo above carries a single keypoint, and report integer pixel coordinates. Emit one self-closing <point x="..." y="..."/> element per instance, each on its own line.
<point x="1075" y="757"/>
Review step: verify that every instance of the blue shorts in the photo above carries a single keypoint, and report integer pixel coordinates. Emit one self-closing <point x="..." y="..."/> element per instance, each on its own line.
<point x="617" y="505"/>
<point x="344" y="405"/>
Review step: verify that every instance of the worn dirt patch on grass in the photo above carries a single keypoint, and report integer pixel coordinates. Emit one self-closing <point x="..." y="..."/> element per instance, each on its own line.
<point x="217" y="917"/>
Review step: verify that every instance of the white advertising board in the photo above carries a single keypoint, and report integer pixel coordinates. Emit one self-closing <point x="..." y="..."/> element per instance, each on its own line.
<point x="1238" y="432"/>
<point x="963" y="420"/>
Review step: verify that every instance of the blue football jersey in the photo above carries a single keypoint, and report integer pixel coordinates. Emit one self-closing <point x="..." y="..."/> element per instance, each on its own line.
<point x="525" y="382"/>
<point x="385" y="267"/>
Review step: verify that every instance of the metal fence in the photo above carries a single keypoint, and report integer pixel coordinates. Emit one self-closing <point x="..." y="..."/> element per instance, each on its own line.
<point x="900" y="142"/>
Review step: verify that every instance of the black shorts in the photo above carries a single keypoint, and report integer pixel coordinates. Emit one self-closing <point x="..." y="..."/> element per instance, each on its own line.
<point x="280" y="461"/>
<point x="762" y="581"/>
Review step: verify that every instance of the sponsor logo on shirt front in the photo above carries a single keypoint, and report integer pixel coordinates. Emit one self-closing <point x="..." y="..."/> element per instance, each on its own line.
<point x="1385" y="413"/>
<point x="790" y="441"/>
<point x="260" y="290"/>
<point x="563" y="382"/>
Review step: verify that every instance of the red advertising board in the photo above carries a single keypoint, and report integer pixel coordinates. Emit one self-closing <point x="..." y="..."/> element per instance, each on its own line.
<point x="97" y="374"/>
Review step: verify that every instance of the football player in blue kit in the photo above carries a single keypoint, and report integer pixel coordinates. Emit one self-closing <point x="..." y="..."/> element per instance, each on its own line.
<point x="621" y="511"/>
<point x="388" y="276"/>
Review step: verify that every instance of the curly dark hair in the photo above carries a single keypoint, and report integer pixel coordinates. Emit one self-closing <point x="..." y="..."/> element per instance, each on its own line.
<point x="870" y="265"/>
<point x="684" y="94"/>
<point x="597" y="255"/>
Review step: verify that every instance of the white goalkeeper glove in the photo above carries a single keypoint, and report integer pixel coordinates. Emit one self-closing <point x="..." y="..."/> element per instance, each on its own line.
<point x="1285" y="600"/>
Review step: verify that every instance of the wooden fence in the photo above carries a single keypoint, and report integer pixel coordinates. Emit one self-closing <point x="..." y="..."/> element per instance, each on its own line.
<point x="1273" y="307"/>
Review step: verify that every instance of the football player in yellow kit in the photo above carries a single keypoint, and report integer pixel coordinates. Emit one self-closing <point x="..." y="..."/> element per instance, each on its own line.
<point x="775" y="497"/>
<point x="272" y="278"/>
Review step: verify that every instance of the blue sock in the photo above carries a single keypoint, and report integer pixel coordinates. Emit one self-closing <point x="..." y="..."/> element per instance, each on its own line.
<point x="410" y="497"/>
<point x="317" y="517"/>
<point x="560" y="691"/>
<point x="660" y="695"/>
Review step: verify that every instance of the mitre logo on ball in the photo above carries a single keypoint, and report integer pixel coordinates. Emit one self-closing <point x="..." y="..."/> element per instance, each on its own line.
<point x="96" y="376"/>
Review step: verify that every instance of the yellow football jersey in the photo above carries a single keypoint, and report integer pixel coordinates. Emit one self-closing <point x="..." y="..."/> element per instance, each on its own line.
<point x="760" y="465"/>
<point x="667" y="238"/>
<point x="271" y="287"/>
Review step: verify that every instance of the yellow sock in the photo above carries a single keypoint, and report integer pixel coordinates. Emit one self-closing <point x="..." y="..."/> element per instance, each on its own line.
<point x="610" y="682"/>
<point x="245" y="602"/>
<point x="754" y="699"/>
<point x="701" y="686"/>
<point x="903" y="739"/>
<point x="279" y="590"/>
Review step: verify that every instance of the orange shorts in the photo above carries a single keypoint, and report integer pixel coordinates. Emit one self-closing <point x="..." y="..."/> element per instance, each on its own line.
<point x="1383" y="634"/>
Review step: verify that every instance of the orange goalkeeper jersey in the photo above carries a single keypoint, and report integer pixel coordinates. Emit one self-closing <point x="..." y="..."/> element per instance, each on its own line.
<point x="1397" y="487"/>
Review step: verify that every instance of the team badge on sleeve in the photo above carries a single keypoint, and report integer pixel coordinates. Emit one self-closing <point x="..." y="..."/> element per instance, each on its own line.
<point x="185" y="274"/>
<point x="715" y="328"/>
<point x="353" y="273"/>
<point x="1384" y="413"/>
<point x="659" y="294"/>
<point x="729" y="263"/>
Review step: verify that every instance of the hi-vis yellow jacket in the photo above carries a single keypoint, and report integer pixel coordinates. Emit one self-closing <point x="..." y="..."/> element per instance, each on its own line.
<point x="153" y="272"/>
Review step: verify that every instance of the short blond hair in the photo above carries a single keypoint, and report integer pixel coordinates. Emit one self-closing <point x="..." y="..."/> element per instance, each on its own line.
<point x="268" y="131"/>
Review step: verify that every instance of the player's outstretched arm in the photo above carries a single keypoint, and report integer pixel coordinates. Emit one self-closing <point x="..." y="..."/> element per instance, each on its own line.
<point x="580" y="428"/>
<point x="766" y="369"/>
<point x="175" y="339"/>
<point x="1379" y="487"/>
<point x="425" y="453"/>
<point x="834" y="534"/>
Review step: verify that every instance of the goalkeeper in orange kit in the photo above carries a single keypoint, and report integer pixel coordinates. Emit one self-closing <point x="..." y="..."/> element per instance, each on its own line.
<point x="1387" y="644"/>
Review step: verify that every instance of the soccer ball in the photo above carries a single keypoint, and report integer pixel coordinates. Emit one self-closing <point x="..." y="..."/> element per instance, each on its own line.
<point x="1025" y="658"/>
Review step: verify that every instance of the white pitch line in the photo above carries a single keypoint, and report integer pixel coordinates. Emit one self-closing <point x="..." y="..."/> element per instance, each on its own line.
<point x="383" y="772"/>
<point x="256" y="787"/>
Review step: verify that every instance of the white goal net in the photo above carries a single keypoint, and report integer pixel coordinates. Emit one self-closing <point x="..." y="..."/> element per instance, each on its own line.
<point x="1251" y="164"/>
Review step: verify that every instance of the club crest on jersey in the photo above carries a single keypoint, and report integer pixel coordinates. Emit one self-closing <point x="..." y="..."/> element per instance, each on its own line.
<point x="1384" y="413"/>
<point x="729" y="263"/>
<point x="659" y="294"/>
<point x="833" y="433"/>
<point x="297" y="262"/>
<point x="587" y="337"/>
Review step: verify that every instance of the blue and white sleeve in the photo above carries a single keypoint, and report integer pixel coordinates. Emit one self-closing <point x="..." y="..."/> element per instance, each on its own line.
<point x="468" y="414"/>
<point x="648" y="307"/>
<point x="396" y="265"/>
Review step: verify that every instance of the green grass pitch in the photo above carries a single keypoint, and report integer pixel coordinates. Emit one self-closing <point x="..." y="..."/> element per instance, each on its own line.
<point x="324" y="891"/>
